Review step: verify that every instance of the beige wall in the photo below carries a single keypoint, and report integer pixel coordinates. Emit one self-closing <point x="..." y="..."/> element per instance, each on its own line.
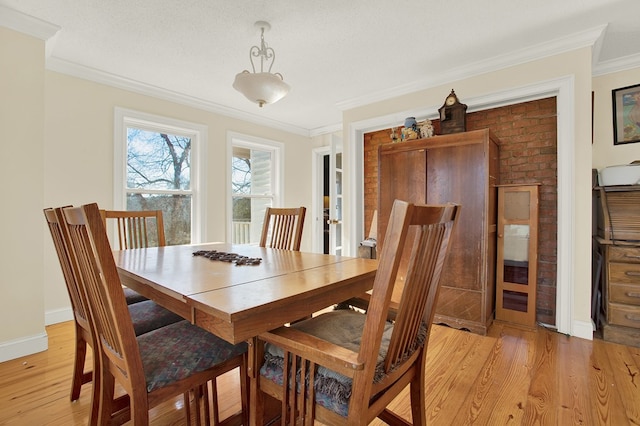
<point x="21" y="221"/>
<point x="604" y="152"/>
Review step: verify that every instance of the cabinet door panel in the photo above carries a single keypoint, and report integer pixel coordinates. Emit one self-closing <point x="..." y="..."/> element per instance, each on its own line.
<point x="457" y="174"/>
<point x="404" y="179"/>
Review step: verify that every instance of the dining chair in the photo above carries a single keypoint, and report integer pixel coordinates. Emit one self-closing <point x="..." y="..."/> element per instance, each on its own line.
<point x="344" y="367"/>
<point x="136" y="229"/>
<point x="153" y="367"/>
<point x="282" y="228"/>
<point x="146" y="315"/>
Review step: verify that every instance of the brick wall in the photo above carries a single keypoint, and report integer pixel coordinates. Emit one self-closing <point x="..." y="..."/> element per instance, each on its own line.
<point x="528" y="154"/>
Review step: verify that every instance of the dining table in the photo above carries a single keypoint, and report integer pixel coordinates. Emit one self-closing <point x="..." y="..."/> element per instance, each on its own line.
<point x="239" y="291"/>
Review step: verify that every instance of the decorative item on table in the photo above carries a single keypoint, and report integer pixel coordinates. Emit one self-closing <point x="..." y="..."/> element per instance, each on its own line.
<point x="426" y="128"/>
<point x="453" y="115"/>
<point x="410" y="130"/>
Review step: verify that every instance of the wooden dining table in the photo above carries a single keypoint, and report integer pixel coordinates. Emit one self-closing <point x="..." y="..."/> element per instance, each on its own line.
<point x="238" y="302"/>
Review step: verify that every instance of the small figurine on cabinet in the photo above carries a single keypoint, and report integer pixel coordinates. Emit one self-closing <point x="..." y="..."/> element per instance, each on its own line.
<point x="410" y="130"/>
<point x="453" y="115"/>
<point x="426" y="129"/>
<point x="394" y="135"/>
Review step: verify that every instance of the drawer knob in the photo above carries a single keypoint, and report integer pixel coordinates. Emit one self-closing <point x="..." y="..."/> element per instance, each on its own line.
<point x="632" y="273"/>
<point x="632" y="256"/>
<point x="632" y="294"/>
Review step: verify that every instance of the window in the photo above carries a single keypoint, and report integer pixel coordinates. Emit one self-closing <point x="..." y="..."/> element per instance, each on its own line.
<point x="254" y="185"/>
<point x="156" y="168"/>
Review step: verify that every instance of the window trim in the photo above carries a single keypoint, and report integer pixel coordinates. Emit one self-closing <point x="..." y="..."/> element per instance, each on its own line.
<point x="254" y="142"/>
<point x="124" y="118"/>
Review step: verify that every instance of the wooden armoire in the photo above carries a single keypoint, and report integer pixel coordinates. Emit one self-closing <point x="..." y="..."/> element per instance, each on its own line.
<point x="461" y="168"/>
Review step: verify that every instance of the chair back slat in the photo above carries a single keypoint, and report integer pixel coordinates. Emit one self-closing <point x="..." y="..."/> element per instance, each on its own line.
<point x="114" y="328"/>
<point x="282" y="228"/>
<point x="136" y="229"/>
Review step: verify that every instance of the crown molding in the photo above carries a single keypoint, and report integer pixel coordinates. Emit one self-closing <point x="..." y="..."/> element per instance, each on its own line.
<point x="80" y="71"/>
<point x="587" y="38"/>
<point x="27" y="24"/>
<point x="325" y="130"/>
<point x="616" y="65"/>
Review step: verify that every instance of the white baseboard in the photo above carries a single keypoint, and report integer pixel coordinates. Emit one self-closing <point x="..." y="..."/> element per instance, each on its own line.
<point x="24" y="346"/>
<point x="37" y="343"/>
<point x="582" y="329"/>
<point x="58" y="315"/>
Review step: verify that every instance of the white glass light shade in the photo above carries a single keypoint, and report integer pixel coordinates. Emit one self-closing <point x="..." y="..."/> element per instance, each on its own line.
<point x="261" y="87"/>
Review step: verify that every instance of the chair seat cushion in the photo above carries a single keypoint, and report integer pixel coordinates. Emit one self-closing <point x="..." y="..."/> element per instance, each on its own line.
<point x="178" y="350"/>
<point x="342" y="328"/>
<point x="132" y="296"/>
<point x="148" y="315"/>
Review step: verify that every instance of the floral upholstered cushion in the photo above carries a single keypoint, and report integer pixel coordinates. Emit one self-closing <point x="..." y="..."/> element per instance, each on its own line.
<point x="148" y="315"/>
<point x="178" y="350"/>
<point x="340" y="327"/>
<point x="132" y="296"/>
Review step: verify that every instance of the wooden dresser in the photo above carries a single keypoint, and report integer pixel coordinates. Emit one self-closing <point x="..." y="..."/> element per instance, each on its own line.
<point x="460" y="168"/>
<point x="618" y="242"/>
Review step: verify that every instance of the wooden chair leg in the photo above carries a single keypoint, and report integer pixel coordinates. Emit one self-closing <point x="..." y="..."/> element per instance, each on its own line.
<point x="78" y="365"/>
<point x="106" y="387"/>
<point x="418" y="394"/>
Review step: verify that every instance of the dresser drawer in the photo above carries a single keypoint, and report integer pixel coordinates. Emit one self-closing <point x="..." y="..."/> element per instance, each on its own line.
<point x="624" y="273"/>
<point x="624" y="254"/>
<point x="625" y="293"/>
<point x="628" y="316"/>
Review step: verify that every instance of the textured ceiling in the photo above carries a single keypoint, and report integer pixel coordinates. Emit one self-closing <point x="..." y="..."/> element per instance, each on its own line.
<point x="331" y="52"/>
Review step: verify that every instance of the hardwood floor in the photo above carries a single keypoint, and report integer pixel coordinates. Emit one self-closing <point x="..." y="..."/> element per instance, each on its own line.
<point x="510" y="377"/>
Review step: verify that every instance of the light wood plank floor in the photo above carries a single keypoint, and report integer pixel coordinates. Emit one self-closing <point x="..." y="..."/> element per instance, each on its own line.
<point x="510" y="377"/>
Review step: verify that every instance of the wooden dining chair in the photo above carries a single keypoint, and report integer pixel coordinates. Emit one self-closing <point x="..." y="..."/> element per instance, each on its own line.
<point x="282" y="228"/>
<point x="345" y="367"/>
<point x="146" y="315"/>
<point x="155" y="366"/>
<point x="136" y="229"/>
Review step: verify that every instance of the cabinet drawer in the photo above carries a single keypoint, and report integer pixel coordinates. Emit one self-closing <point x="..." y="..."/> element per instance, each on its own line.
<point x="624" y="254"/>
<point x="625" y="315"/>
<point x="625" y="293"/>
<point x="624" y="273"/>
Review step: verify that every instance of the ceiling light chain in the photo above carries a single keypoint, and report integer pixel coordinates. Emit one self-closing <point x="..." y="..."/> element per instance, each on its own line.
<point x="263" y="87"/>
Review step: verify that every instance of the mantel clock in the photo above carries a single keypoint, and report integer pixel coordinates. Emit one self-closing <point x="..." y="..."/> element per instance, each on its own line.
<point x="453" y="115"/>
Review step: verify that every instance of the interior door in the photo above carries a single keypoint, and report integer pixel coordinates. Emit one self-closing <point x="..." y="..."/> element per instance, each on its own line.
<point x="335" y="196"/>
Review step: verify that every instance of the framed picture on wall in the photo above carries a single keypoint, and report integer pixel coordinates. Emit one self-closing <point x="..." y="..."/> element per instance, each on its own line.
<point x="626" y="114"/>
